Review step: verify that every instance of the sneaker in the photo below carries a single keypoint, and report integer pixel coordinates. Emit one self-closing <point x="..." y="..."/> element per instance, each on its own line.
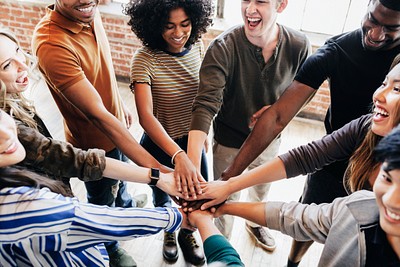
<point x="140" y="200"/>
<point x="292" y="264"/>
<point x="192" y="252"/>
<point x="121" y="258"/>
<point x="170" y="249"/>
<point x="262" y="237"/>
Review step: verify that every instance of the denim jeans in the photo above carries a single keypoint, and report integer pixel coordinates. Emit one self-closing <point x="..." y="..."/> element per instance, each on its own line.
<point x="161" y="199"/>
<point x="110" y="192"/>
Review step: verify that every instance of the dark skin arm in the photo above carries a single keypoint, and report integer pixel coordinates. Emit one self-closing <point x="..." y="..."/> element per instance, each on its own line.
<point x="269" y="125"/>
<point x="85" y="97"/>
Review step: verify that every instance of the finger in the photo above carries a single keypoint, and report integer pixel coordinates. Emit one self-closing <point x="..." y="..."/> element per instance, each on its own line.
<point x="209" y="204"/>
<point x="192" y="189"/>
<point x="175" y="199"/>
<point x="185" y="189"/>
<point x="178" y="182"/>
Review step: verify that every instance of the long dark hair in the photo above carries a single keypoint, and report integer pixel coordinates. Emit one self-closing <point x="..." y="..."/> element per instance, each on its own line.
<point x="18" y="176"/>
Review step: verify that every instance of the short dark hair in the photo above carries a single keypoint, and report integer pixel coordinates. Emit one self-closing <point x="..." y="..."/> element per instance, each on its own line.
<point x="388" y="150"/>
<point x="149" y="17"/>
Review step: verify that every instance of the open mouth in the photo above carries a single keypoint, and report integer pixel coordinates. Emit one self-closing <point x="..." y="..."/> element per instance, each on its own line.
<point x="392" y="215"/>
<point x="23" y="79"/>
<point x="380" y="113"/>
<point x="253" y="22"/>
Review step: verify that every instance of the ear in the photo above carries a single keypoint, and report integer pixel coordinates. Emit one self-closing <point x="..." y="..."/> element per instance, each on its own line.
<point x="281" y="6"/>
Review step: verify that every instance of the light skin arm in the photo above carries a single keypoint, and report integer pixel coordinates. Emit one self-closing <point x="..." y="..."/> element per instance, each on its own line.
<point x="252" y="211"/>
<point x="196" y="141"/>
<point x="203" y="221"/>
<point x="85" y="97"/>
<point x="128" y="172"/>
<point x="185" y="171"/>
<point x="219" y="191"/>
<point x="269" y="125"/>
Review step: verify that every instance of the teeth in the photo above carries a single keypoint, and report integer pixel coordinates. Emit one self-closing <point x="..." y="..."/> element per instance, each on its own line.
<point x="393" y="216"/>
<point x="253" y="19"/>
<point x="86" y="10"/>
<point x="381" y="111"/>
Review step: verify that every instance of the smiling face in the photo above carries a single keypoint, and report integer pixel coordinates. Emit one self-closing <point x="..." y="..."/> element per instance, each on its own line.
<point x="380" y="27"/>
<point x="387" y="192"/>
<point x="387" y="100"/>
<point x="11" y="150"/>
<point x="13" y="70"/>
<point x="260" y="16"/>
<point x="177" y="30"/>
<point x="77" y="10"/>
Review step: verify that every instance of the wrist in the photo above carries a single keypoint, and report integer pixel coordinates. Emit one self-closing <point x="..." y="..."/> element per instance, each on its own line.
<point x="154" y="175"/>
<point x="175" y="154"/>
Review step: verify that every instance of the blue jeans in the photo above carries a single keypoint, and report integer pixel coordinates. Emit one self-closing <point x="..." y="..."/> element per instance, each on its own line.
<point x="161" y="199"/>
<point x="110" y="192"/>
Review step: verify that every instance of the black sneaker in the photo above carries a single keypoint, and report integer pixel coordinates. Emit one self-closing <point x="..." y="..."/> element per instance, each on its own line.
<point x="192" y="252"/>
<point x="170" y="249"/>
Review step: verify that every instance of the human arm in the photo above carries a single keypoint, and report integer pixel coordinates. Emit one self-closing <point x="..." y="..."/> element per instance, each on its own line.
<point x="219" y="191"/>
<point x="269" y="125"/>
<point x="216" y="247"/>
<point x="86" y="99"/>
<point x="185" y="171"/>
<point x="119" y="170"/>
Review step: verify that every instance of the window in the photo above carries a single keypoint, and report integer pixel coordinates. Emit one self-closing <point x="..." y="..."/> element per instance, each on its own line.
<point x="316" y="16"/>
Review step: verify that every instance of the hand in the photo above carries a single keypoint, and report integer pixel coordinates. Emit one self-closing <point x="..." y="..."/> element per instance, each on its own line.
<point x="185" y="222"/>
<point x="257" y="115"/>
<point x="190" y="206"/>
<point x="214" y="193"/>
<point x="167" y="183"/>
<point x="127" y="115"/>
<point x="199" y="216"/>
<point x="187" y="177"/>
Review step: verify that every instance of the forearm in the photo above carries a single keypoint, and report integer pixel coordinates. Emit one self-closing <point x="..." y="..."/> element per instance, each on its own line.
<point x="195" y="146"/>
<point x="207" y="228"/>
<point x="125" y="142"/>
<point x="252" y="211"/>
<point x="270" y="171"/>
<point x="269" y="126"/>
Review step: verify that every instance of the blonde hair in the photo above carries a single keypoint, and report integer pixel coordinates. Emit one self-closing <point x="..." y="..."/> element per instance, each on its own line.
<point x="362" y="164"/>
<point x="16" y="104"/>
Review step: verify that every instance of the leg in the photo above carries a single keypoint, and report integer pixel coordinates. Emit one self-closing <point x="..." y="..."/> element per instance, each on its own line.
<point x="259" y="193"/>
<point x="322" y="186"/>
<point x="222" y="158"/>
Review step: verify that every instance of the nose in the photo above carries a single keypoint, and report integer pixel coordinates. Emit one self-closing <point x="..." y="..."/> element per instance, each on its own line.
<point x="251" y="8"/>
<point x="377" y="33"/>
<point x="20" y="63"/>
<point x="380" y="94"/>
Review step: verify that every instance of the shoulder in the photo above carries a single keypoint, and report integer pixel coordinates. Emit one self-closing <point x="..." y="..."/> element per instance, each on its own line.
<point x="294" y="38"/>
<point x="231" y="35"/>
<point x="362" y="205"/>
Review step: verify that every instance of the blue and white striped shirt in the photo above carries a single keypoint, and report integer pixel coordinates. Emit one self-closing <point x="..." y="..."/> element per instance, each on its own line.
<point x="42" y="228"/>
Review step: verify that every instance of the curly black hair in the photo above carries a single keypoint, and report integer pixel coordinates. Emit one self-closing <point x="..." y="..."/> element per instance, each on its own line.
<point x="149" y="17"/>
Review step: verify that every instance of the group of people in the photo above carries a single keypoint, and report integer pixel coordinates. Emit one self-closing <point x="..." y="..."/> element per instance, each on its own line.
<point x="249" y="83"/>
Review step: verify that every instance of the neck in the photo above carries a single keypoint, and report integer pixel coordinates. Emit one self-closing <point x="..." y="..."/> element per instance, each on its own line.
<point x="267" y="40"/>
<point x="394" y="242"/>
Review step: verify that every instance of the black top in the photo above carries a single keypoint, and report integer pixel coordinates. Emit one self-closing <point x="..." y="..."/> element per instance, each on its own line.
<point x="379" y="251"/>
<point x="353" y="72"/>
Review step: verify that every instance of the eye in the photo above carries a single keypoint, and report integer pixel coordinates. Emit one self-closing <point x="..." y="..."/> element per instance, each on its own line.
<point x="386" y="178"/>
<point x="169" y="27"/>
<point x="396" y="89"/>
<point x="7" y="65"/>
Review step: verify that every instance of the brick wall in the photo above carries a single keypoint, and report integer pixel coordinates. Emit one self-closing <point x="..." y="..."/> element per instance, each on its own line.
<point x="21" y="17"/>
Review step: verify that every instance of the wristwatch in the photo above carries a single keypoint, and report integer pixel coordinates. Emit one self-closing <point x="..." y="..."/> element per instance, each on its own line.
<point x="154" y="176"/>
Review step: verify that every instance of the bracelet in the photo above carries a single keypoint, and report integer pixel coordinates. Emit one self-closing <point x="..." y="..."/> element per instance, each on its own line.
<point x="174" y="155"/>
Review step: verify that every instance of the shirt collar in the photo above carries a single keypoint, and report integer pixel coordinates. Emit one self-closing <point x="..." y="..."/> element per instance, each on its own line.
<point x="63" y="22"/>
